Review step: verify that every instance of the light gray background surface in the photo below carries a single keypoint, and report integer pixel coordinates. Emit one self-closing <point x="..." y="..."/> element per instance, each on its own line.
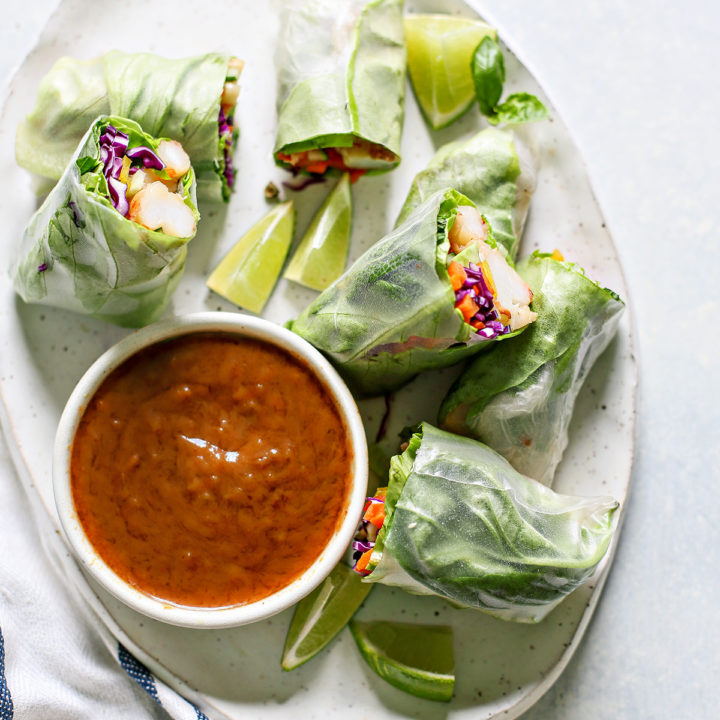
<point x="637" y="85"/>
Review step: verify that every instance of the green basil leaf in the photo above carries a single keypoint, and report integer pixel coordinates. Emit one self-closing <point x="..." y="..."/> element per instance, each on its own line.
<point x="488" y="71"/>
<point x="520" y="108"/>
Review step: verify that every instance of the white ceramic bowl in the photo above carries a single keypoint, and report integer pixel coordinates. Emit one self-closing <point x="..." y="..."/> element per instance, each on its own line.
<point x="244" y="326"/>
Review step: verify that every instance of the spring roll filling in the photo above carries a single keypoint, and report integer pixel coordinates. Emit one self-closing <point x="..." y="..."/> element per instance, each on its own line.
<point x="144" y="187"/>
<point x="366" y="534"/>
<point x="226" y="126"/>
<point x="355" y="160"/>
<point x="493" y="299"/>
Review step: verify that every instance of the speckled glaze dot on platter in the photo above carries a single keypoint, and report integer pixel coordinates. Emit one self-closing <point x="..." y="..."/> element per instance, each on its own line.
<point x="502" y="668"/>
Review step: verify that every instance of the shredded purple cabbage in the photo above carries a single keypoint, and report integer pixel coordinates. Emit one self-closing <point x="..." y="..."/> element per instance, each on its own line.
<point x="77" y="217"/>
<point x="476" y="286"/>
<point x="365" y="536"/>
<point x="301" y="182"/>
<point x="42" y="267"/>
<point x="226" y="134"/>
<point x="113" y="148"/>
<point x="148" y="158"/>
<point x="118" y="195"/>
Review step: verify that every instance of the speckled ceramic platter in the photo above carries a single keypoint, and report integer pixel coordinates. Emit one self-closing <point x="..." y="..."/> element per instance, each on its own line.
<point x="502" y="668"/>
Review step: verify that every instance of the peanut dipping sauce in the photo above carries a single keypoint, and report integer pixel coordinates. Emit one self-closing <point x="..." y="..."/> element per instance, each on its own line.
<point x="211" y="470"/>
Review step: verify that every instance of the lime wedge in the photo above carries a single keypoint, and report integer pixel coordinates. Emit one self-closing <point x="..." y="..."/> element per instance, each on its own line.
<point x="439" y="51"/>
<point x="415" y="658"/>
<point x="322" y="253"/>
<point x="248" y="273"/>
<point x="321" y="615"/>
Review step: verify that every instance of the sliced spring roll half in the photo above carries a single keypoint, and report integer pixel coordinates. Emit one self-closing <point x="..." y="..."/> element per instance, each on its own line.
<point x="519" y="397"/>
<point x="495" y="169"/>
<point x="434" y="291"/>
<point x="110" y="239"/>
<point x="341" y="85"/>
<point x="457" y="521"/>
<point x="191" y="100"/>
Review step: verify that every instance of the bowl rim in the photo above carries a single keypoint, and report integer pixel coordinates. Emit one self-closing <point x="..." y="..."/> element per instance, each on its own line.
<point x="208" y="617"/>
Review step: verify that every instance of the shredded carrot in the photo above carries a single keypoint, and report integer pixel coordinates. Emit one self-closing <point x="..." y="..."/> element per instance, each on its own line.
<point x="557" y="255"/>
<point x="363" y="561"/>
<point x="375" y="514"/>
<point x="468" y="307"/>
<point x="380" y="493"/>
<point x="317" y="167"/>
<point x="477" y="324"/>
<point x="356" y="174"/>
<point x="282" y="156"/>
<point x="457" y="274"/>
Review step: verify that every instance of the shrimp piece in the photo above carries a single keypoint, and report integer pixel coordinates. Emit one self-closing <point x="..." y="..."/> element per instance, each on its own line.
<point x="512" y="294"/>
<point x="467" y="228"/>
<point x="177" y="161"/>
<point x="231" y="89"/>
<point x="141" y="178"/>
<point x="155" y="207"/>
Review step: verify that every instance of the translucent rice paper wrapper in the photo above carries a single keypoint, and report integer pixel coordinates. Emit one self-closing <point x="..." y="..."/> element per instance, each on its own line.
<point x="341" y="75"/>
<point x="177" y="99"/>
<point x="519" y="398"/>
<point x="392" y="314"/>
<point x="462" y="524"/>
<point x="495" y="169"/>
<point x="81" y="254"/>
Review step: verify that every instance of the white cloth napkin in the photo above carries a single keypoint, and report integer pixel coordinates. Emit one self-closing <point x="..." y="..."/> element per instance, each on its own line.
<point x="58" y="661"/>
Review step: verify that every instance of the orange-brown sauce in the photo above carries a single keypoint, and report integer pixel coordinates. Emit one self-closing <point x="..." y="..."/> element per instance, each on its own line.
<point x="210" y="471"/>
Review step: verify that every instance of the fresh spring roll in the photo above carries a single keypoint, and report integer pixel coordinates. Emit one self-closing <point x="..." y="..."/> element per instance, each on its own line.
<point x="191" y="100"/>
<point x="434" y="291"/>
<point x="495" y="169"/>
<point x="341" y="85"/>
<point x="457" y="521"/>
<point x="519" y="397"/>
<point x="110" y="239"/>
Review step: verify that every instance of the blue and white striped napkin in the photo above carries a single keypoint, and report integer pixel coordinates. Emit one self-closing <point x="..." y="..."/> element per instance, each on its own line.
<point x="58" y="661"/>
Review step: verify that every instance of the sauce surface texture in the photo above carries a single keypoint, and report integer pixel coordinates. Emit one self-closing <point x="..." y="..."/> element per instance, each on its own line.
<point x="210" y="470"/>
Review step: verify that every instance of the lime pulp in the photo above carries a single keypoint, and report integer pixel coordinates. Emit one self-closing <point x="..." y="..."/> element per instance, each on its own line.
<point x="439" y="51"/>
<point x="249" y="272"/>
<point x="418" y="659"/>
<point x="321" y="615"/>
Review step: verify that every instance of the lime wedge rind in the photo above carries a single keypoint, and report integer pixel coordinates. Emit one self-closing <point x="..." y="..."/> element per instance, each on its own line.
<point x="321" y="255"/>
<point x="395" y="652"/>
<point x="248" y="273"/>
<point x="440" y="48"/>
<point x="321" y="615"/>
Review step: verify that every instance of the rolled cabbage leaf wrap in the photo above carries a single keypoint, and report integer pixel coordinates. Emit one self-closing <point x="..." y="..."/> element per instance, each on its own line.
<point x="462" y="524"/>
<point x="519" y="397"/>
<point x="90" y="247"/>
<point x="432" y="292"/>
<point x="495" y="169"/>
<point x="191" y="100"/>
<point x="341" y="85"/>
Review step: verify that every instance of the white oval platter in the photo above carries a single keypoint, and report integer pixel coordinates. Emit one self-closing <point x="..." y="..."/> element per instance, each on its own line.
<point x="502" y="668"/>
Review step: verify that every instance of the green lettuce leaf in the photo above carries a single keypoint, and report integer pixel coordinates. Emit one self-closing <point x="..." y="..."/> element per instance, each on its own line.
<point x="341" y="75"/>
<point x="79" y="253"/>
<point x="461" y="523"/>
<point x="392" y="314"/>
<point x="177" y="99"/>
<point x="494" y="169"/>
<point x="519" y="397"/>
